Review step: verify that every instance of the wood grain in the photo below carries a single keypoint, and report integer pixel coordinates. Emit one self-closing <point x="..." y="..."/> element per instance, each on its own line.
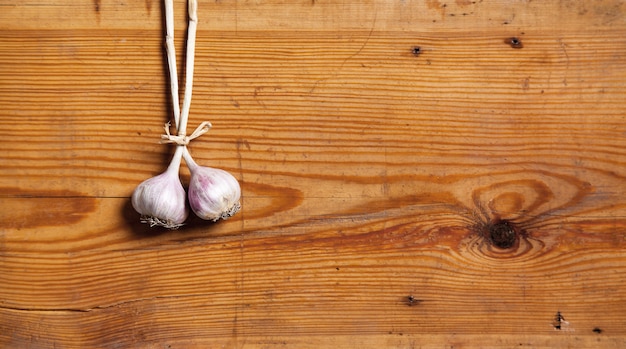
<point x="374" y="179"/>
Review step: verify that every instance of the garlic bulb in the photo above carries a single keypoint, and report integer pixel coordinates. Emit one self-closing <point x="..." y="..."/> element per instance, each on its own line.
<point x="161" y="200"/>
<point x="213" y="193"/>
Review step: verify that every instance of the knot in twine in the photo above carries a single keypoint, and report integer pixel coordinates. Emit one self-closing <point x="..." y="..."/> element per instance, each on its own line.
<point x="183" y="140"/>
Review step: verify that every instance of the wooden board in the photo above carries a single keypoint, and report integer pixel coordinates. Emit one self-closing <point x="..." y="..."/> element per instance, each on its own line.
<point x="467" y="194"/>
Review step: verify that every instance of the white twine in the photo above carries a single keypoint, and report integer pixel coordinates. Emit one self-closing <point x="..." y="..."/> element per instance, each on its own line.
<point x="203" y="128"/>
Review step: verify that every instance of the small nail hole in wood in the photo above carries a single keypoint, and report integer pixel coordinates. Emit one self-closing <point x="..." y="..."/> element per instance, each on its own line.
<point x="514" y="42"/>
<point x="411" y="301"/>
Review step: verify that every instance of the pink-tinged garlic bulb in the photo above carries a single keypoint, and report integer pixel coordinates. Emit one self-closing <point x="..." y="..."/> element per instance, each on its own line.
<point x="213" y="193"/>
<point x="161" y="200"/>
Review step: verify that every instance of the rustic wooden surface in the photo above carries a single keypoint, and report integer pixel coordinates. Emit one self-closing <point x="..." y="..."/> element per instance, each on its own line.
<point x="372" y="177"/>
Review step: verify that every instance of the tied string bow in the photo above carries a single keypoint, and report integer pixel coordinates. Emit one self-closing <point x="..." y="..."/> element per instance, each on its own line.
<point x="183" y="140"/>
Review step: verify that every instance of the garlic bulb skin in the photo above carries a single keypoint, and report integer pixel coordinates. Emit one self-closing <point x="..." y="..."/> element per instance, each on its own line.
<point x="213" y="193"/>
<point x="161" y="200"/>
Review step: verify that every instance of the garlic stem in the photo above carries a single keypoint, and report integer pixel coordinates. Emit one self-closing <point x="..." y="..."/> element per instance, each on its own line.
<point x="191" y="49"/>
<point x="191" y="163"/>
<point x="174" y="166"/>
<point x="171" y="59"/>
